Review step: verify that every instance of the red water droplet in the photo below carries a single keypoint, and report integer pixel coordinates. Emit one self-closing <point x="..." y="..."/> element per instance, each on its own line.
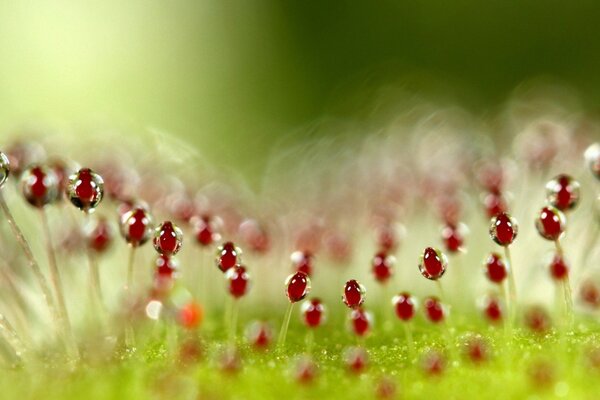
<point x="85" y="189"/>
<point x="476" y="350"/>
<point x="191" y="315"/>
<point x="354" y="294"/>
<point x="550" y="223"/>
<point x="313" y="312"/>
<point x="297" y="286"/>
<point x="382" y="267"/>
<point x="433" y="263"/>
<point x="492" y="309"/>
<point x="495" y="269"/>
<point x="356" y="359"/>
<point x="168" y="238"/>
<point x="100" y="235"/>
<point x="39" y="186"/>
<point x="136" y="226"/>
<point x="503" y="229"/>
<point x="433" y="363"/>
<point x="562" y="192"/>
<point x="259" y="335"/>
<point x="559" y="270"/>
<point x="360" y="322"/>
<point x="590" y="294"/>
<point x="227" y="256"/>
<point x="537" y="319"/>
<point x="306" y="370"/>
<point x="238" y="281"/>
<point x="453" y="238"/>
<point x="434" y="310"/>
<point x="494" y="204"/>
<point x="302" y="261"/>
<point x="405" y="306"/>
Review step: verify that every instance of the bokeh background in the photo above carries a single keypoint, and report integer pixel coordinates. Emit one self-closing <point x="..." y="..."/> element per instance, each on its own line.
<point x="233" y="78"/>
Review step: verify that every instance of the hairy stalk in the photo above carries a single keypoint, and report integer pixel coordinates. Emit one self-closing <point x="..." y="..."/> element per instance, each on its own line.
<point x="71" y="344"/>
<point x="43" y="283"/>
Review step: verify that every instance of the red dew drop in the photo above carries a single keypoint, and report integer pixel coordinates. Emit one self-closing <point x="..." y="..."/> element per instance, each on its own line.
<point x="227" y="256"/>
<point x="297" y="286"/>
<point x="205" y="230"/>
<point x="356" y="359"/>
<point x="550" y="223"/>
<point x="382" y="265"/>
<point x="4" y="168"/>
<point x="168" y="238"/>
<point x="191" y="315"/>
<point x="494" y="204"/>
<point x="305" y="370"/>
<point x="39" y="185"/>
<point x="433" y="363"/>
<point x="360" y="322"/>
<point x="433" y="264"/>
<point x="405" y="306"/>
<point x="313" y="312"/>
<point x="166" y="267"/>
<point x="136" y="226"/>
<point x="99" y="235"/>
<point x="589" y="294"/>
<point x="452" y="237"/>
<point x="354" y="294"/>
<point x="434" y="310"/>
<point x="259" y="335"/>
<point x="495" y="269"/>
<point x="85" y="189"/>
<point x="537" y="319"/>
<point x="230" y="361"/>
<point x="191" y="351"/>
<point x="387" y="238"/>
<point x="302" y="261"/>
<point x="541" y="374"/>
<point x="492" y="309"/>
<point x="559" y="270"/>
<point x="476" y="350"/>
<point x="385" y="388"/>
<point x="238" y="281"/>
<point x="562" y="192"/>
<point x="254" y="235"/>
<point x="503" y="229"/>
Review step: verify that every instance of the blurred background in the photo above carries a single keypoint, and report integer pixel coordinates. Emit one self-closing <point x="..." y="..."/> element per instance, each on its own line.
<point x="234" y="78"/>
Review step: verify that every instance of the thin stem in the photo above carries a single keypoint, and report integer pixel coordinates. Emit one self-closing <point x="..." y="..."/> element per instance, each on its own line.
<point x="130" y="263"/>
<point x="45" y="288"/>
<point x="409" y="338"/>
<point x="310" y="340"/>
<point x="56" y="282"/>
<point x="441" y="291"/>
<point x="234" y="317"/>
<point x="285" y="325"/>
<point x="95" y="284"/>
<point x="566" y="288"/>
<point x="12" y="338"/>
<point x="511" y="285"/>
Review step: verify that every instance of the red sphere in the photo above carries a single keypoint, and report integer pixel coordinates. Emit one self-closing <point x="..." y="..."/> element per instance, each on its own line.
<point x="297" y="286"/>
<point x="434" y="310"/>
<point x="590" y="294"/>
<point x="495" y="269"/>
<point x="313" y="312"/>
<point x="550" y="223"/>
<point x="205" y="230"/>
<point x="433" y="363"/>
<point x="453" y="237"/>
<point x="39" y="185"/>
<point x="360" y="321"/>
<point x="494" y="204"/>
<point x="259" y="334"/>
<point x="537" y="319"/>
<point x="167" y="238"/>
<point x="228" y="256"/>
<point x="559" y="270"/>
<point x="382" y="267"/>
<point x="562" y="192"/>
<point x="302" y="261"/>
<point x="504" y="229"/>
<point x="356" y="359"/>
<point x="191" y="315"/>
<point x="99" y="235"/>
<point x="166" y="267"/>
<point x="405" y="306"/>
<point x="433" y="264"/>
<point x="492" y="309"/>
<point x="136" y="226"/>
<point x="476" y="350"/>
<point x="354" y="294"/>
<point x="238" y="281"/>
<point x="306" y="370"/>
<point x="85" y="189"/>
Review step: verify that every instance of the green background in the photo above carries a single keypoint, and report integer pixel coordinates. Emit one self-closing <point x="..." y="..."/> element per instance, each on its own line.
<point x="234" y="77"/>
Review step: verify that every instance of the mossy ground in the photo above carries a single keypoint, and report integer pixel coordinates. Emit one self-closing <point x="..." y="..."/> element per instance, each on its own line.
<point x="155" y="370"/>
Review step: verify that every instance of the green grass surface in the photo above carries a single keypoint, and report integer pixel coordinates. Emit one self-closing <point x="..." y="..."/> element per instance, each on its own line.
<point x="155" y="371"/>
